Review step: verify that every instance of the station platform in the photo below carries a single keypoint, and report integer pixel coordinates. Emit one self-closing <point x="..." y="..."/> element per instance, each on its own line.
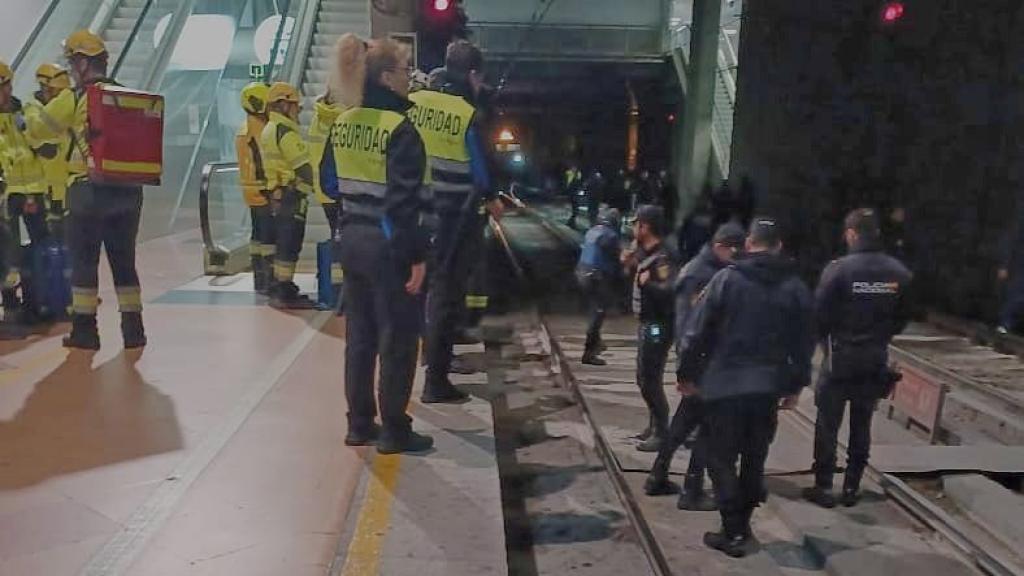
<point x="218" y="450"/>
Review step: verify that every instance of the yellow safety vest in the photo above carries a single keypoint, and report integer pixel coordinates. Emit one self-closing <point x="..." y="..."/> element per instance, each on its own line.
<point x="359" y="143"/>
<point x="44" y="131"/>
<point x="251" y="171"/>
<point x="23" y="172"/>
<point x="324" y="116"/>
<point x="443" y="121"/>
<point x="284" y="151"/>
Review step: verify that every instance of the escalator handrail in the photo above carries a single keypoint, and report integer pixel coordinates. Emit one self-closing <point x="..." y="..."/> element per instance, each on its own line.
<point x="20" y="56"/>
<point x="103" y="16"/>
<point x="301" y="43"/>
<point x="204" y="205"/>
<point x="131" y="39"/>
<point x="151" y="80"/>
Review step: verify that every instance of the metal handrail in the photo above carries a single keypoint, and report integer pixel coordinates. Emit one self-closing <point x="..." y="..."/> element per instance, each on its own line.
<point x="103" y="16"/>
<point x="20" y="56"/>
<point x="150" y="81"/>
<point x="217" y="252"/>
<point x="301" y="43"/>
<point x="131" y="39"/>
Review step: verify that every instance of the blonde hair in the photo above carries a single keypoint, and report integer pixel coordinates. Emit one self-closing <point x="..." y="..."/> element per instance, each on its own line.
<point x="359" y="62"/>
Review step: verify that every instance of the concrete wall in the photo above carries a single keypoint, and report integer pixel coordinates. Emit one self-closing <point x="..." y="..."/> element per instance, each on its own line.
<point x="646" y="13"/>
<point x="833" y="112"/>
<point x="19" y="18"/>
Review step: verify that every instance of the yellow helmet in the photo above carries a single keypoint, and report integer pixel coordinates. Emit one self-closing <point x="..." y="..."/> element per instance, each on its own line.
<point x="6" y="74"/>
<point x="254" y="98"/>
<point x="53" y="76"/>
<point x="282" y="92"/>
<point x="84" y="43"/>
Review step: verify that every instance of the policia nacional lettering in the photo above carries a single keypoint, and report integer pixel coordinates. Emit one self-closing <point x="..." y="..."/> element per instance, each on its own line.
<point x="424" y="117"/>
<point x="362" y="137"/>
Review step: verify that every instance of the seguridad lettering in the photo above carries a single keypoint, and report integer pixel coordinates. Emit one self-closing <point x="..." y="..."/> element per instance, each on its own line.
<point x="363" y="137"/>
<point x="436" y="120"/>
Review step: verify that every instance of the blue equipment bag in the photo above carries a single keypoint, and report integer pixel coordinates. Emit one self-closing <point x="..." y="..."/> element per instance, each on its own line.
<point x="46" y="288"/>
<point x="327" y="295"/>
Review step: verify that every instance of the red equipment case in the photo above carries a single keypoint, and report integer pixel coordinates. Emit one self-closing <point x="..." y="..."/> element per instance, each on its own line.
<point x="127" y="135"/>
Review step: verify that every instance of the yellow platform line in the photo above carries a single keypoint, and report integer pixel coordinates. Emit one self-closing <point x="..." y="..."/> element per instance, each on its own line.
<point x="363" y="557"/>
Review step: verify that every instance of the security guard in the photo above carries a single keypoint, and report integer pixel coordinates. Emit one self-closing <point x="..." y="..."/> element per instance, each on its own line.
<point x="253" y="179"/>
<point x="862" y="301"/>
<point x="51" y="143"/>
<point x="377" y="169"/>
<point x="289" y="172"/>
<point x="447" y="120"/>
<point x="597" y="273"/>
<point x="25" y="188"/>
<point x="98" y="215"/>
<point x="325" y="113"/>
<point x="654" y="268"/>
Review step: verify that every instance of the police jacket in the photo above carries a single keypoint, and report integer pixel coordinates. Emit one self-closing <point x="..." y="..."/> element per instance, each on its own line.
<point x="600" y="251"/>
<point x="652" y="302"/>
<point x="438" y="113"/>
<point x="862" y="301"/>
<point x="401" y="208"/>
<point x="691" y="281"/>
<point x="751" y="332"/>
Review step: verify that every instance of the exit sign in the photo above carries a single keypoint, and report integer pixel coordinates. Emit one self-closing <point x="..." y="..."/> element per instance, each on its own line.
<point x="257" y="72"/>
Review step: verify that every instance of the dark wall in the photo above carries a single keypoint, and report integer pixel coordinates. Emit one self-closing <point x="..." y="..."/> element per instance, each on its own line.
<point x="835" y="110"/>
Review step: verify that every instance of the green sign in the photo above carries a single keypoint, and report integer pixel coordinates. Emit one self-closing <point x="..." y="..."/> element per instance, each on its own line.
<point x="257" y="72"/>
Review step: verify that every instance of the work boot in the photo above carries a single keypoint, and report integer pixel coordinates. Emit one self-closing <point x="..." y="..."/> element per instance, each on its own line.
<point x="286" y="296"/>
<point x="408" y="442"/>
<point x="850" y="497"/>
<point x="591" y="357"/>
<point x="651" y="444"/>
<point x="133" y="331"/>
<point x="442" y="391"/>
<point x="84" y="334"/>
<point x="362" y="436"/>
<point x="696" y="501"/>
<point x="736" y="546"/>
<point x="821" y="496"/>
<point x="460" y="365"/>
<point x="656" y="485"/>
<point x="645" y="434"/>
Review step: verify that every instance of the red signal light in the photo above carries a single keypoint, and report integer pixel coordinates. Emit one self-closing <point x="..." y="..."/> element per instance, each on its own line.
<point x="893" y="12"/>
<point x="442" y="5"/>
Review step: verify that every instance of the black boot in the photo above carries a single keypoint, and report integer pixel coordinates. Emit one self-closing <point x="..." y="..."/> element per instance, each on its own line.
<point x="84" y="334"/>
<point x="694" y="499"/>
<point x="851" y="488"/>
<point x="820" y="495"/>
<point x="657" y="485"/>
<point x="260" y="279"/>
<point x="133" y="331"/>
<point x="363" y="435"/>
<point x="286" y="296"/>
<point x="409" y="442"/>
<point x="442" y="391"/>
<point x="591" y="357"/>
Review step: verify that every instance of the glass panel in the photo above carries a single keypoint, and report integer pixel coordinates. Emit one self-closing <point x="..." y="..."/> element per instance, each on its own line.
<point x="68" y="16"/>
<point x="230" y="224"/>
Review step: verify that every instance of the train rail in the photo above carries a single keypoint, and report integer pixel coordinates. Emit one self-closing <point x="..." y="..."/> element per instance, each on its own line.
<point x="922" y="354"/>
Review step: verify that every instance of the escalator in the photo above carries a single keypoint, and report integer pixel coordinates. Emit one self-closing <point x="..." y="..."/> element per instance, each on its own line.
<point x="306" y="61"/>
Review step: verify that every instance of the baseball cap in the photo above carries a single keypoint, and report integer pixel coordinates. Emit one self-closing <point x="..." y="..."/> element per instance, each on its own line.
<point x="729" y="234"/>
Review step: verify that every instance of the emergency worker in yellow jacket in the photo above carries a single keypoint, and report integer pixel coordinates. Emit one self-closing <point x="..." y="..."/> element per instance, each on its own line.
<point x="253" y="179"/>
<point x="25" y="191"/>
<point x="99" y="216"/>
<point x="51" y="143"/>
<point x="325" y="112"/>
<point x="446" y="117"/>
<point x="290" y="177"/>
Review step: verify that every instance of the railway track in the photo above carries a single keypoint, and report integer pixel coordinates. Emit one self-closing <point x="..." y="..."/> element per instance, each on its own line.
<point x="922" y="351"/>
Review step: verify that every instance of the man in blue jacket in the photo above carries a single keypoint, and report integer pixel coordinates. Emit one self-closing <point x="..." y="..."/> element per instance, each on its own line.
<point x="748" y="345"/>
<point x="690" y="283"/>
<point x="597" y="271"/>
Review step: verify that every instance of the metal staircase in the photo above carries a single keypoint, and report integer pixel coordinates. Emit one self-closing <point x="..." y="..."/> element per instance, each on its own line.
<point x="333" y="18"/>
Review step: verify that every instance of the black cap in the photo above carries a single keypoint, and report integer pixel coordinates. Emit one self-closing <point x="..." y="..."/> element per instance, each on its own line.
<point x="653" y="216"/>
<point x="730" y="234"/>
<point x="765" y="232"/>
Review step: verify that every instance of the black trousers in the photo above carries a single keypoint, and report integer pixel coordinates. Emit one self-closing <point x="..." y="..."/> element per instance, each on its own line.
<point x="654" y="342"/>
<point x="447" y="291"/>
<point x="688" y="417"/>
<point x="599" y="295"/>
<point x="290" y="231"/>
<point x="32" y="209"/>
<point x="55" y="220"/>
<point x="739" y="431"/>
<point x="102" y="217"/>
<point x="831" y="398"/>
<point x="383" y="320"/>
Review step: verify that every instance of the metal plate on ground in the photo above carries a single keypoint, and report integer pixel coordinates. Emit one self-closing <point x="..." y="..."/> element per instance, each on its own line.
<point x="992" y="458"/>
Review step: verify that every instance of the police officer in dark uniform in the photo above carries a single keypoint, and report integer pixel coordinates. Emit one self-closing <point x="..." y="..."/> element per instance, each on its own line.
<point x="747" y="346"/>
<point x="693" y="278"/>
<point x="377" y="168"/>
<point x="862" y="301"/>
<point x="597" y="272"/>
<point x="654" y="269"/>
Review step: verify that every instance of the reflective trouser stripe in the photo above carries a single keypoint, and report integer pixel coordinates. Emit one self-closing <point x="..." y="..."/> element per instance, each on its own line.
<point x="284" y="271"/>
<point x="476" y="301"/>
<point x="129" y="298"/>
<point x="85" y="301"/>
<point x="337" y="274"/>
<point x="263" y="250"/>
